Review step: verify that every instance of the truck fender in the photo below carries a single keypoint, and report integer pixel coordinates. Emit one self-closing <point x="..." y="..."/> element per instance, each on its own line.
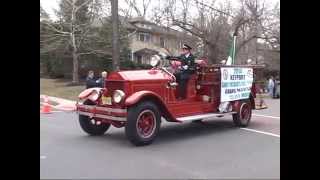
<point x="149" y="95"/>
<point x="85" y="93"/>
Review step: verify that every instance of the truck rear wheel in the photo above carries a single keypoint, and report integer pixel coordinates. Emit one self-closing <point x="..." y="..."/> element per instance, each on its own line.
<point x="143" y="123"/>
<point x="243" y="116"/>
<point x="91" y="128"/>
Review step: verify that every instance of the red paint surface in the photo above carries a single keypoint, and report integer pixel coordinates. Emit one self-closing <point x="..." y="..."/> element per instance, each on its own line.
<point x="146" y="84"/>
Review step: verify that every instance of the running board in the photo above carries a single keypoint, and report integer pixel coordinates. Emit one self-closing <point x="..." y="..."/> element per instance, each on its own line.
<point x="204" y="116"/>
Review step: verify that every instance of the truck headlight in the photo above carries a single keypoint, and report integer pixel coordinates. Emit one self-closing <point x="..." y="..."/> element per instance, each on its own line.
<point x="118" y="95"/>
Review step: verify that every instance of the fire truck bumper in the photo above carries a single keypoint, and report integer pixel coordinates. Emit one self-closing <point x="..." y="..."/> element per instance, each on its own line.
<point x="107" y="113"/>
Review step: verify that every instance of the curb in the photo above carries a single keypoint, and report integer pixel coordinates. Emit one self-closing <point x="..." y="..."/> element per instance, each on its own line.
<point x="57" y="99"/>
<point x="62" y="104"/>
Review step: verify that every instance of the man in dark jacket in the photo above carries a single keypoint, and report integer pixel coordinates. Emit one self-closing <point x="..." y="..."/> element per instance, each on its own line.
<point x="90" y="82"/>
<point x="187" y="68"/>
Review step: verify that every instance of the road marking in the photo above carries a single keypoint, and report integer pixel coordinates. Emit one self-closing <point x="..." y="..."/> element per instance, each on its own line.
<point x="262" y="132"/>
<point x="274" y="117"/>
<point x="43" y="157"/>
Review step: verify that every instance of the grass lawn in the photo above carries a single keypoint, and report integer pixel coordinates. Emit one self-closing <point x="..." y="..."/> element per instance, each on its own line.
<point x="60" y="88"/>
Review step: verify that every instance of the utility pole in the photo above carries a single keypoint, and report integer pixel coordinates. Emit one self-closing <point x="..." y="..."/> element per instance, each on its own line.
<point x="115" y="36"/>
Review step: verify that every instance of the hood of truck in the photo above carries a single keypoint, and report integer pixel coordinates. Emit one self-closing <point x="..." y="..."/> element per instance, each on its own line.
<point x="138" y="75"/>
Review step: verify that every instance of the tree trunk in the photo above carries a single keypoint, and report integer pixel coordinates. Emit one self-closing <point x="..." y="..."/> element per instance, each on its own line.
<point x="212" y="54"/>
<point x="205" y="49"/>
<point x="75" y="61"/>
<point x="75" y="76"/>
<point x="115" y="35"/>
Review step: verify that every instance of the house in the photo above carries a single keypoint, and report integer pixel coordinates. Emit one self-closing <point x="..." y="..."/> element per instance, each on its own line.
<point x="147" y="38"/>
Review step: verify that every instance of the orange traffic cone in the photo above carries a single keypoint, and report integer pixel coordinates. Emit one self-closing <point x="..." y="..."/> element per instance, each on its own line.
<point x="46" y="107"/>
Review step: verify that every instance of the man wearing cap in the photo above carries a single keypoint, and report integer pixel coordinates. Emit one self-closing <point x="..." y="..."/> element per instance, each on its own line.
<point x="187" y="68"/>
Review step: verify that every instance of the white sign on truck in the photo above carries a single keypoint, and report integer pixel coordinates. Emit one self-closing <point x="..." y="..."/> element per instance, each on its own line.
<point x="236" y="83"/>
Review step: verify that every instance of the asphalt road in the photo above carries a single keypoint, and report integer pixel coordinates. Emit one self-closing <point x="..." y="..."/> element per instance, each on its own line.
<point x="188" y="150"/>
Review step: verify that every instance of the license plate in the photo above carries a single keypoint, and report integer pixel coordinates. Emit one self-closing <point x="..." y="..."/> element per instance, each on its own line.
<point x="106" y="100"/>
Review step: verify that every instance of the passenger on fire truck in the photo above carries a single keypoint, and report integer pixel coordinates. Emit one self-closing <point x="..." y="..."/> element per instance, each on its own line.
<point x="187" y="68"/>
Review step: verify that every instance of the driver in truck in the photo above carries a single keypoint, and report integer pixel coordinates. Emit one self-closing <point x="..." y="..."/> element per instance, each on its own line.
<point x="187" y="68"/>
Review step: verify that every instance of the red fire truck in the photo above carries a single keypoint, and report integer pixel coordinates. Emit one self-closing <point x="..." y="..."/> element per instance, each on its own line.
<point x="140" y="99"/>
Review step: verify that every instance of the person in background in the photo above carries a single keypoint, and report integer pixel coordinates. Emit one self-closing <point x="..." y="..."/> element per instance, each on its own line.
<point x="274" y="88"/>
<point x="271" y="86"/>
<point x="102" y="80"/>
<point x="90" y="82"/>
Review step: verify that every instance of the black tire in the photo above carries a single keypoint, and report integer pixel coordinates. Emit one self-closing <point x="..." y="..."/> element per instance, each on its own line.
<point x="92" y="129"/>
<point x="241" y="120"/>
<point x="88" y="127"/>
<point x="135" y="119"/>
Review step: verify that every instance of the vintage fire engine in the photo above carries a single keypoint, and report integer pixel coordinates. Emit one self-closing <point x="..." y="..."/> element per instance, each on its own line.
<point x="140" y="99"/>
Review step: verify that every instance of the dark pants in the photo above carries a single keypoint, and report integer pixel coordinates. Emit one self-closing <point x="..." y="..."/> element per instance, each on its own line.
<point x="182" y="79"/>
<point x="274" y="91"/>
<point x="183" y="88"/>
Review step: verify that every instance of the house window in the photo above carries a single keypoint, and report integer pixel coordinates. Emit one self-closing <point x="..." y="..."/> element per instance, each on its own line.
<point x="162" y="42"/>
<point x="144" y="37"/>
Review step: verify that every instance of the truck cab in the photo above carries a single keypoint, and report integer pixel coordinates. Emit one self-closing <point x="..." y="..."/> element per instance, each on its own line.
<point x="140" y="99"/>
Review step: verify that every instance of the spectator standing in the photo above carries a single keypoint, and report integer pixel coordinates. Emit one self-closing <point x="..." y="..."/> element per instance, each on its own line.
<point x="102" y="79"/>
<point x="274" y="88"/>
<point x="271" y="86"/>
<point x="90" y="82"/>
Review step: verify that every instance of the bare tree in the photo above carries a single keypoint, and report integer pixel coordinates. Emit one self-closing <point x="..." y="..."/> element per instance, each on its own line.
<point x="142" y="12"/>
<point x="215" y="25"/>
<point x="210" y="26"/>
<point x="43" y="14"/>
<point x="271" y="28"/>
<point x="257" y="22"/>
<point x="157" y="13"/>
<point x="71" y="31"/>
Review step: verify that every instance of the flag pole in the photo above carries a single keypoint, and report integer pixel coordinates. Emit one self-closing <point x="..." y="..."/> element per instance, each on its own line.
<point x="234" y="49"/>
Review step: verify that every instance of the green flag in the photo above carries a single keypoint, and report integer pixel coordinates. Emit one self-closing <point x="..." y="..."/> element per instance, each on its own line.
<point x="231" y="56"/>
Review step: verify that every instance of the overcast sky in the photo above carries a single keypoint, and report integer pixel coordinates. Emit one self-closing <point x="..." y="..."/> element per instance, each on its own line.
<point x="49" y="5"/>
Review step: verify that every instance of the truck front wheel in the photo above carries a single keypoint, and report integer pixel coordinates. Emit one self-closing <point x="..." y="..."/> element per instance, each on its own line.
<point x="143" y="123"/>
<point x="243" y="116"/>
<point x="92" y="128"/>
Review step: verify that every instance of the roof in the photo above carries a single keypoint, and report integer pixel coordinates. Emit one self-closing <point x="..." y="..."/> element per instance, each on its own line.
<point x="140" y="19"/>
<point x="132" y="24"/>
